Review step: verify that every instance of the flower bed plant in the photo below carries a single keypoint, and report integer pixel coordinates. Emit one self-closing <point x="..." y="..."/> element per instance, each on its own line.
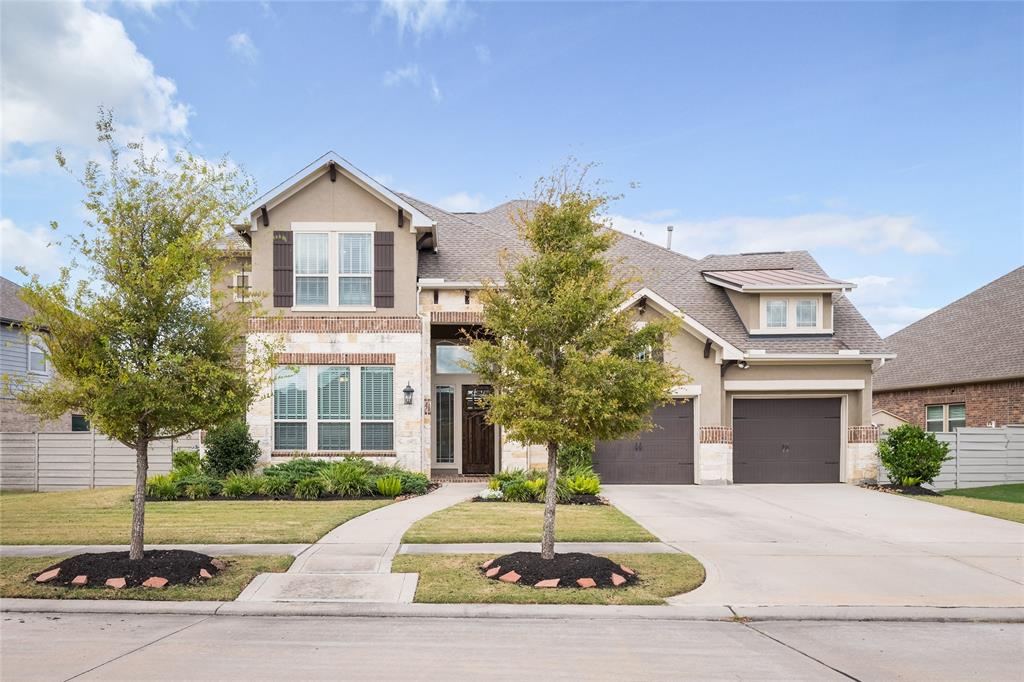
<point x="300" y="479"/>
<point x="578" y="484"/>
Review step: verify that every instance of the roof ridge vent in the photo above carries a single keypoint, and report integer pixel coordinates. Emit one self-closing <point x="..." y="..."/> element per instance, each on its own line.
<point x="762" y="253"/>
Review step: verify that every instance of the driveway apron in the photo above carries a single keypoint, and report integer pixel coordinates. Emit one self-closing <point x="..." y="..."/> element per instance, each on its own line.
<point x="831" y="545"/>
<point x="352" y="563"/>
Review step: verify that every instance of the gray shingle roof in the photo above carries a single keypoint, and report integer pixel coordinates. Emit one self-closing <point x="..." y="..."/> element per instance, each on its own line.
<point x="979" y="337"/>
<point x="12" y="308"/>
<point x="469" y="244"/>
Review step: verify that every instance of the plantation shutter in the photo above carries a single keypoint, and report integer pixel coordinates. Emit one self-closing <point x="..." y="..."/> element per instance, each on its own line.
<point x="332" y="389"/>
<point x="283" y="295"/>
<point x="384" y="269"/>
<point x="377" y="405"/>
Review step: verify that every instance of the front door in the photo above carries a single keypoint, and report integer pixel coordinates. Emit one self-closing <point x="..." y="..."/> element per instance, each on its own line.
<point x="477" y="434"/>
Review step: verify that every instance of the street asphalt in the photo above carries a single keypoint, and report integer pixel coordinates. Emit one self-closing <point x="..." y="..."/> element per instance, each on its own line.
<point x="40" y="646"/>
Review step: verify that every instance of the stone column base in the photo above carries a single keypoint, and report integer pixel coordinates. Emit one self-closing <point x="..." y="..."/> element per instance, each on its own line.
<point x="714" y="460"/>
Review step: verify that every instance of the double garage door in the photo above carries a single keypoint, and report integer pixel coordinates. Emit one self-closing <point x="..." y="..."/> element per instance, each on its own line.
<point x="793" y="440"/>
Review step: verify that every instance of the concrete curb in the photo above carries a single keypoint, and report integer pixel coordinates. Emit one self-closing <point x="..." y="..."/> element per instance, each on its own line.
<point x="532" y="612"/>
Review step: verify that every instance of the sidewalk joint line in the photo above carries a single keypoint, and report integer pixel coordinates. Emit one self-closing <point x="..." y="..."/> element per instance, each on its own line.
<point x="802" y="653"/>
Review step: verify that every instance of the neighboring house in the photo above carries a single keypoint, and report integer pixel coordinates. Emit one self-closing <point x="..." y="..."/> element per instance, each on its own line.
<point x="962" y="365"/>
<point x="886" y="420"/>
<point x="23" y="360"/>
<point x="371" y="293"/>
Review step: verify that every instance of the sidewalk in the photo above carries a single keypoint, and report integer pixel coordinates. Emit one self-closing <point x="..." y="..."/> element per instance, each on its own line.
<point x="352" y="563"/>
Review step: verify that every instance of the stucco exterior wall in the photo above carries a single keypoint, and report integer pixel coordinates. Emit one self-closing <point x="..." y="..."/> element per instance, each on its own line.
<point x="1001" y="402"/>
<point x="685" y="351"/>
<point x="340" y="201"/>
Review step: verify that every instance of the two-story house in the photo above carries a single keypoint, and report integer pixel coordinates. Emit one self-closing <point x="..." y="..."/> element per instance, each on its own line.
<point x="371" y="293"/>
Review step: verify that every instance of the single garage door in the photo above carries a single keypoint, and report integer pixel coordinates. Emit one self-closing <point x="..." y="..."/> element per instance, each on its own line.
<point x="791" y="440"/>
<point x="664" y="455"/>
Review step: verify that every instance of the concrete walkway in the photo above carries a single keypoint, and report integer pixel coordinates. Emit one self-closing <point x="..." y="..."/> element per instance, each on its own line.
<point x="212" y="550"/>
<point x="805" y="545"/>
<point x="352" y="563"/>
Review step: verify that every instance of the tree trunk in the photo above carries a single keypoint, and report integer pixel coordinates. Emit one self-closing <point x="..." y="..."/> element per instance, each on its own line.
<point x="547" y="543"/>
<point x="139" y="501"/>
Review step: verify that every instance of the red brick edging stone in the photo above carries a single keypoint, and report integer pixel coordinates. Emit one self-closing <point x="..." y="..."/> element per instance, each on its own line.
<point x="510" y="577"/>
<point x="155" y="581"/>
<point x="48" y="575"/>
<point x="80" y="580"/>
<point x="116" y="583"/>
<point x="586" y="583"/>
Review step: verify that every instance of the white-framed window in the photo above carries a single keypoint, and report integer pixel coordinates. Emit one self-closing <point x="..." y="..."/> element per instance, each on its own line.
<point x="807" y="312"/>
<point x="444" y="409"/>
<point x="333" y="408"/>
<point x="452" y="359"/>
<point x="311" y="268"/>
<point x="776" y="313"/>
<point x="290" y="407"/>
<point x="377" y="408"/>
<point x="333" y="398"/>
<point x="333" y="265"/>
<point x="945" y="418"/>
<point x="37" y="355"/>
<point x="240" y="286"/>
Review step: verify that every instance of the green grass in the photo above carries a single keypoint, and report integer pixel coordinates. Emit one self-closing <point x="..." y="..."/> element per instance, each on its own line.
<point x="522" y="522"/>
<point x="225" y="586"/>
<point x="103" y="517"/>
<point x="455" y="579"/>
<point x="1001" y="501"/>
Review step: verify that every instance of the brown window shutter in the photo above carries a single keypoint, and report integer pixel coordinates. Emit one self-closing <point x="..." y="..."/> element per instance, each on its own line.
<point x="283" y="295"/>
<point x="384" y="269"/>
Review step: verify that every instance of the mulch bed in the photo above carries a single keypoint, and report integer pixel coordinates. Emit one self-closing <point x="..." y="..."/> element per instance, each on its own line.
<point x="904" y="489"/>
<point x="290" y="498"/>
<point x="177" y="566"/>
<point x="567" y="568"/>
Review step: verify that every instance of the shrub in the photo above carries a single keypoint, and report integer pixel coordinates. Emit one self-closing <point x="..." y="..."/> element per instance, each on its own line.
<point x="231" y="449"/>
<point x="242" y="485"/>
<point x="493" y="483"/>
<point x="389" y="486"/>
<point x="537" y="486"/>
<point x="346" y="478"/>
<point x="185" y="460"/>
<point x="296" y="469"/>
<point x="309" y="489"/>
<point x="516" y="491"/>
<point x="162" y="487"/>
<point x="583" y="484"/>
<point x="196" y="485"/>
<point x="200" y="490"/>
<point x="912" y="456"/>
<point x="413" y="482"/>
<point x="509" y="476"/>
<point x="277" y="486"/>
<point x="575" y="454"/>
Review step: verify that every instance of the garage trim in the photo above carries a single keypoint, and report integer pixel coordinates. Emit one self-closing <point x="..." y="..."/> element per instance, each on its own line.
<point x="843" y="417"/>
<point x="796" y="385"/>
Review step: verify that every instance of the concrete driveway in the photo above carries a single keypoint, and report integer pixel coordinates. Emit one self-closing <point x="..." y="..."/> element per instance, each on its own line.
<point x="831" y="545"/>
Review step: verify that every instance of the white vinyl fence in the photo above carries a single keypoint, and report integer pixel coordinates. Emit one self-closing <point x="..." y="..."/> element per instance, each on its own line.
<point x="75" y="460"/>
<point x="980" y="457"/>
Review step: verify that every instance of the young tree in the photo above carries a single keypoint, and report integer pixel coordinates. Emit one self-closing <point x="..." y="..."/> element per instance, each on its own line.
<point x="143" y="345"/>
<point x="566" y="362"/>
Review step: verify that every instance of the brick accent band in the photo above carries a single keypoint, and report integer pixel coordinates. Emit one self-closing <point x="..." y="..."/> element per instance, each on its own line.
<point x="457" y="317"/>
<point x="716" y="434"/>
<point x="335" y="358"/>
<point x="320" y="324"/>
<point x="863" y="434"/>
<point x="331" y="453"/>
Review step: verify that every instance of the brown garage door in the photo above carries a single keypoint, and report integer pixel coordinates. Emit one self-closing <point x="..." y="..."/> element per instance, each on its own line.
<point x="664" y="455"/>
<point x="786" y="440"/>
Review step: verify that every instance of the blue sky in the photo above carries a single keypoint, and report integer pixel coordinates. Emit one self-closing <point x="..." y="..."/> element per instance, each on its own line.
<point x="886" y="138"/>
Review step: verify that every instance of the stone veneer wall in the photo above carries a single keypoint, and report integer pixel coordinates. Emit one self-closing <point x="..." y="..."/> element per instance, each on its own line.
<point x="862" y="454"/>
<point x="714" y="460"/>
<point x="401" y="342"/>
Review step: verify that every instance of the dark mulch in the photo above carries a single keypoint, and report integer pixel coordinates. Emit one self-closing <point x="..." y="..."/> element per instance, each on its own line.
<point x="904" y="489"/>
<point x="567" y="567"/>
<point x="178" y="566"/>
<point x="291" y="498"/>
<point x="576" y="499"/>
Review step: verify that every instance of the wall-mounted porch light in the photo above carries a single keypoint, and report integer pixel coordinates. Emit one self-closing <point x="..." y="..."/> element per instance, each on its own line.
<point x="407" y="392"/>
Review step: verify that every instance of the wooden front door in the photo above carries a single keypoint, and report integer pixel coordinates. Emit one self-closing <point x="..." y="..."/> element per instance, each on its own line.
<point x="477" y="434"/>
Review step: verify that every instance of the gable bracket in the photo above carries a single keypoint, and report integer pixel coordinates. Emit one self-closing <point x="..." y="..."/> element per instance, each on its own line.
<point x="334" y="171"/>
<point x="265" y="216"/>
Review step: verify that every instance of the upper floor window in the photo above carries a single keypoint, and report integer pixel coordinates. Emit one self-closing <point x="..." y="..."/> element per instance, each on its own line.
<point x="344" y="258"/>
<point x="240" y="286"/>
<point x="776" y="313"/>
<point x="945" y="418"/>
<point x="807" y="312"/>
<point x="36" y="355"/>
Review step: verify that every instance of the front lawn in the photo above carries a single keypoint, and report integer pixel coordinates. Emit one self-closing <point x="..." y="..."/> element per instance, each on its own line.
<point x="522" y="522"/>
<point x="455" y="579"/>
<point x="103" y="517"/>
<point x="1001" y="501"/>
<point x="224" y="586"/>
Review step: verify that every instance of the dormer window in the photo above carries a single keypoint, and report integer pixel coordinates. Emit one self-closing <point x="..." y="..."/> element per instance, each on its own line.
<point x="797" y="314"/>
<point x="776" y="313"/>
<point x="807" y="312"/>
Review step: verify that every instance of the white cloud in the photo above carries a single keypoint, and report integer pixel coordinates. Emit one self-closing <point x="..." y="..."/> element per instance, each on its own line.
<point x="422" y="17"/>
<point x="61" y="61"/>
<point x="483" y="54"/>
<point x="147" y="6"/>
<point x="241" y="44"/>
<point x="33" y="249"/>
<point x="866" y="235"/>
<point x="462" y="202"/>
<point x="407" y="74"/>
<point x="883" y="301"/>
<point x="435" y="92"/>
<point x="888" y="319"/>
